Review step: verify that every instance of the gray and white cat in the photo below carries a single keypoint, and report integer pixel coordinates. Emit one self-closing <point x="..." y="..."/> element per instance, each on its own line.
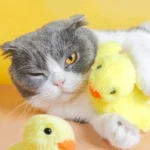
<point x="50" y="68"/>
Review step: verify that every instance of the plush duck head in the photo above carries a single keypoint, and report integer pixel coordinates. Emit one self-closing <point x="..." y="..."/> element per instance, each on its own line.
<point x="113" y="74"/>
<point x="45" y="132"/>
<point x="113" y="87"/>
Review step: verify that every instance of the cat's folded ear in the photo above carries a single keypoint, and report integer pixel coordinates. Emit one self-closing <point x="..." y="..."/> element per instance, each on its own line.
<point x="77" y="21"/>
<point x="8" y="49"/>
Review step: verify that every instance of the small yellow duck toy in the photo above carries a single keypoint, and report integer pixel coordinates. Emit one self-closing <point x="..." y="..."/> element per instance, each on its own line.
<point x="45" y="132"/>
<point x="112" y="86"/>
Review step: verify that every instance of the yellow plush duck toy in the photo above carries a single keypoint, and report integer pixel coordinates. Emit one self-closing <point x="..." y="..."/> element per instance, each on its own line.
<point x="44" y="132"/>
<point x="112" y="86"/>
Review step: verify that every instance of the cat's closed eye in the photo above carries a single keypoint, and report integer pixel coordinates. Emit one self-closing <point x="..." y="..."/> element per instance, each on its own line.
<point x="36" y="74"/>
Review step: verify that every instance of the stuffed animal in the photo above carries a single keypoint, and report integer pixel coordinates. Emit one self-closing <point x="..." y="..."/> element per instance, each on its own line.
<point x="112" y="86"/>
<point x="44" y="132"/>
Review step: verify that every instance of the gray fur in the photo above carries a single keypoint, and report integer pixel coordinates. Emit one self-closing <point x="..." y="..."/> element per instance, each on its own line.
<point x="58" y="39"/>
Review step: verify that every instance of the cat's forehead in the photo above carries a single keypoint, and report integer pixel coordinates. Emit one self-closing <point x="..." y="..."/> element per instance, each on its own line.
<point x="57" y="42"/>
<point x="55" y="35"/>
<point x="57" y="38"/>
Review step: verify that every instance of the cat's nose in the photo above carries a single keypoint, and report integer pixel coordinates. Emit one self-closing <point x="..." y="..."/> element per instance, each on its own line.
<point x="59" y="83"/>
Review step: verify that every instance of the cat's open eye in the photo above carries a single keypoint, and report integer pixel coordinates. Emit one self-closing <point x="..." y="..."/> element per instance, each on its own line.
<point x="71" y="59"/>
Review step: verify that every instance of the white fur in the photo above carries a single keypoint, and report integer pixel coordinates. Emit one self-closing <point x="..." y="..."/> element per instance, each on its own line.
<point x="50" y="93"/>
<point x="145" y="25"/>
<point x="139" y="51"/>
<point x="118" y="131"/>
<point x="137" y="44"/>
<point x="79" y="108"/>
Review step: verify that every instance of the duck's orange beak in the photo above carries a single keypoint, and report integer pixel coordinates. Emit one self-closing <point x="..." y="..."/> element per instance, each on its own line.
<point x="94" y="92"/>
<point x="67" y="145"/>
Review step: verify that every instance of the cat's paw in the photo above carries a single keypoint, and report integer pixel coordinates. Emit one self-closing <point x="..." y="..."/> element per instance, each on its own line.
<point x="120" y="133"/>
<point x="117" y="130"/>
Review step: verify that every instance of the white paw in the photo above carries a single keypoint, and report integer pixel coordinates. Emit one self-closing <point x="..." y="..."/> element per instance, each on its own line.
<point x="117" y="130"/>
<point x="120" y="133"/>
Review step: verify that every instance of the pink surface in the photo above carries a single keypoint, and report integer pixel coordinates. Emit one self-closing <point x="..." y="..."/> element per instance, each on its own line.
<point x="12" y="121"/>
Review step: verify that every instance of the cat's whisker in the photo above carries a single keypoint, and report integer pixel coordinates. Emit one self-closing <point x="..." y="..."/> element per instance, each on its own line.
<point x="34" y="111"/>
<point x="40" y="103"/>
<point x="46" y="95"/>
<point x="31" y="109"/>
<point x="17" y="108"/>
<point x="38" y="97"/>
<point x="25" y="112"/>
<point x="26" y="105"/>
<point x="35" y="98"/>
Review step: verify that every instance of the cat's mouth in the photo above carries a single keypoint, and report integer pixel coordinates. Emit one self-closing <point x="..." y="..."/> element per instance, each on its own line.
<point x="69" y="92"/>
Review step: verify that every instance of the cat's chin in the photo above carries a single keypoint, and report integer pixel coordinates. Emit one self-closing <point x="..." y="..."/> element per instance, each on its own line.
<point x="44" y="103"/>
<point x="65" y="96"/>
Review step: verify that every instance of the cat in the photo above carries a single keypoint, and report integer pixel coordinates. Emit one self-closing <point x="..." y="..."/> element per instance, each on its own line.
<point x="50" y="68"/>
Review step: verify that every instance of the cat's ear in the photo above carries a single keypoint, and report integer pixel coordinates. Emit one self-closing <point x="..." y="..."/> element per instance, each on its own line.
<point x="8" y="49"/>
<point x="77" y="21"/>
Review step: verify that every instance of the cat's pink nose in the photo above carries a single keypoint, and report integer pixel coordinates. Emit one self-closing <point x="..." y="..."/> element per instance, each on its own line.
<point x="59" y="83"/>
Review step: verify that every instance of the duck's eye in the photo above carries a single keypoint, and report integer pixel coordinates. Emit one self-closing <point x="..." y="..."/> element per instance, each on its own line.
<point x="100" y="66"/>
<point x="71" y="59"/>
<point x="113" y="91"/>
<point x="48" y="131"/>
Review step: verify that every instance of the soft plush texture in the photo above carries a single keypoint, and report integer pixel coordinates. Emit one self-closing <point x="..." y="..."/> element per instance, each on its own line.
<point x="112" y="86"/>
<point x="60" y="135"/>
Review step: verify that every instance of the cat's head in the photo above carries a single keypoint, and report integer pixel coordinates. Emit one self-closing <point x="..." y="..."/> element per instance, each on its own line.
<point x="51" y="64"/>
